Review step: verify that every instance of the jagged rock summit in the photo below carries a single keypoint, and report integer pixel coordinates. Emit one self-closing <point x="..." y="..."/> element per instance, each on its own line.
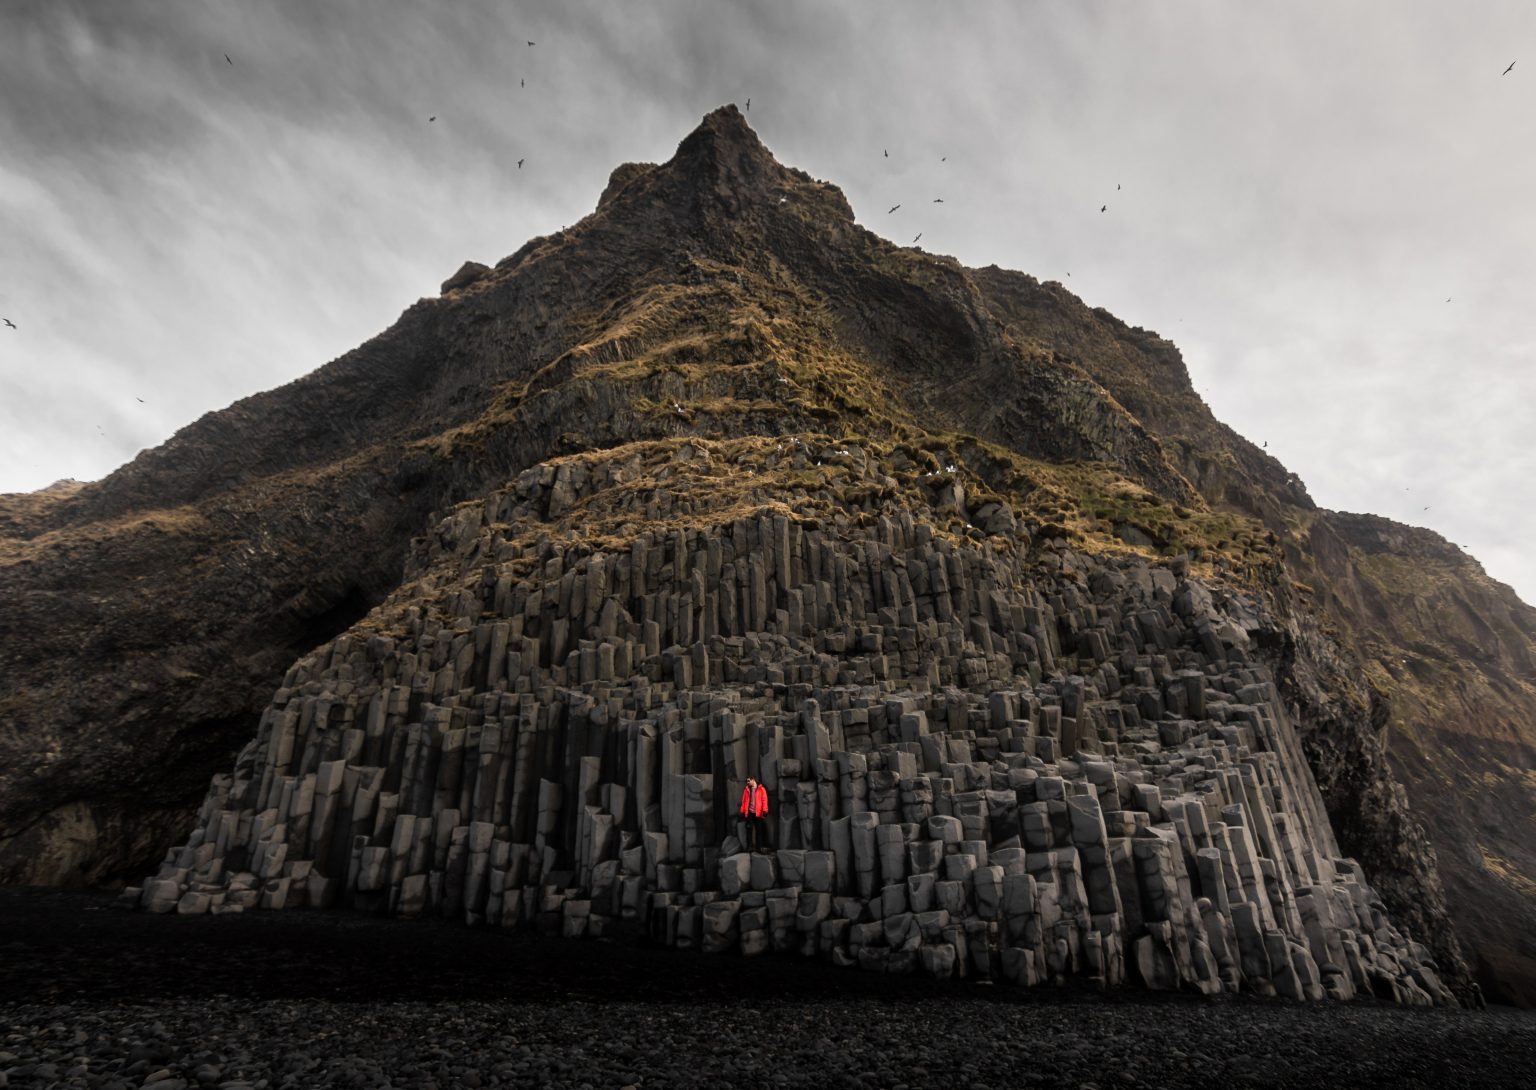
<point x="492" y="615"/>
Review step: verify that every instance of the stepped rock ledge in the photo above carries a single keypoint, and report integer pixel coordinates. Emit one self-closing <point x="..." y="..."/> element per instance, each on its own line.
<point x="1048" y="674"/>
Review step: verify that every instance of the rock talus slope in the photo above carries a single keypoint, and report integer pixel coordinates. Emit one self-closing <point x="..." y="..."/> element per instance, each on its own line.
<point x="723" y="482"/>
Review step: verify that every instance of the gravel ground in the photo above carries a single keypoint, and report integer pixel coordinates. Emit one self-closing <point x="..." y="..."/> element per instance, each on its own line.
<point x="94" y="996"/>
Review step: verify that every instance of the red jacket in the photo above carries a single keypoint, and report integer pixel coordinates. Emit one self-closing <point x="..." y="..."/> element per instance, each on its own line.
<point x="754" y="802"/>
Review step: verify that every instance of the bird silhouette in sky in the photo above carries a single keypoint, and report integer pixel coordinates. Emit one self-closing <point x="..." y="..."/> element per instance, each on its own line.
<point x="938" y="200"/>
<point x="943" y="158"/>
<point x="432" y="118"/>
<point x="1103" y="208"/>
<point x="1426" y="509"/>
<point x="1447" y="298"/>
<point x="231" y="63"/>
<point x="530" y="43"/>
<point x="9" y="322"/>
<point x="892" y="209"/>
<point x="887" y="153"/>
<point x="749" y="106"/>
<point x="519" y="164"/>
<point x="919" y="235"/>
<point x="1506" y="71"/>
<point x="1117" y="185"/>
<point x="140" y="400"/>
<point x="522" y="82"/>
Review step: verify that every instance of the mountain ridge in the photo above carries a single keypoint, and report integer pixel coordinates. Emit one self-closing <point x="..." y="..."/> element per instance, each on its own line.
<point x="692" y="300"/>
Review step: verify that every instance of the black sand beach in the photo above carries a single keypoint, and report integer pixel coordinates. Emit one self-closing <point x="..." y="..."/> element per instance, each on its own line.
<point x="93" y="996"/>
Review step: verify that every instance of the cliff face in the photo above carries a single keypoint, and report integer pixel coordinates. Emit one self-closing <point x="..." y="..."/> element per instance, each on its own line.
<point x="1449" y="657"/>
<point x="726" y="296"/>
<point x="988" y="752"/>
<point x="1408" y="666"/>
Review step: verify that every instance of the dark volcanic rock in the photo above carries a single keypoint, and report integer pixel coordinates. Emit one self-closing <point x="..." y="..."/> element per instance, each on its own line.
<point x="151" y="616"/>
<point x="470" y="272"/>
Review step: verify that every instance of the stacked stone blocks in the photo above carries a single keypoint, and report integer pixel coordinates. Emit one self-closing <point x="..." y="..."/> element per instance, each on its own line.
<point x="977" y="767"/>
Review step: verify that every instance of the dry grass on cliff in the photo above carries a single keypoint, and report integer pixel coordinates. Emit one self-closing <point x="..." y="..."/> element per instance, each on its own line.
<point x="658" y="487"/>
<point x="1508" y="873"/>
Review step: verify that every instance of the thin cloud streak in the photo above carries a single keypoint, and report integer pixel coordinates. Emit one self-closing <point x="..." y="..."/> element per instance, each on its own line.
<point x="1303" y="186"/>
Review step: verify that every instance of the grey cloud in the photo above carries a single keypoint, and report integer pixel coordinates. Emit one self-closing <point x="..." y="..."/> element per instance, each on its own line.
<point x="1303" y="185"/>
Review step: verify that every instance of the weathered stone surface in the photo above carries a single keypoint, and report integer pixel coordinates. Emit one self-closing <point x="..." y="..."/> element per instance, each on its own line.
<point x="468" y="273"/>
<point x="466" y="431"/>
<point x="944" y="842"/>
<point x="610" y="622"/>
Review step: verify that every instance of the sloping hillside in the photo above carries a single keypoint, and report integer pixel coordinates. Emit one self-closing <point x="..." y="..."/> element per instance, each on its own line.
<point x="724" y="295"/>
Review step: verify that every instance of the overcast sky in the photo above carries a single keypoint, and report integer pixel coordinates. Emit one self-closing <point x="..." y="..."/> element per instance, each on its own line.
<point x="1294" y="192"/>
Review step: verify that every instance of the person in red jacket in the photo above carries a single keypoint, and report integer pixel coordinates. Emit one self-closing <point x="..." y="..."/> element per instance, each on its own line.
<point x="754" y="812"/>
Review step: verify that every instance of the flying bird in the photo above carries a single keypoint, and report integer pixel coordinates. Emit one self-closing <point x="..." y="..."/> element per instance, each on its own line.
<point x="140" y="400"/>
<point x="1103" y="208"/>
<point x="519" y="164"/>
<point x="530" y="43"/>
<point x="226" y="57"/>
<point x="1506" y="71"/>
<point x="1117" y="185"/>
<point x="432" y="118"/>
<point x="892" y="209"/>
<point x="919" y="235"/>
<point x="887" y="153"/>
<point x="938" y="200"/>
<point x="943" y="158"/>
<point x="749" y="106"/>
<point x="8" y="322"/>
<point x="522" y="82"/>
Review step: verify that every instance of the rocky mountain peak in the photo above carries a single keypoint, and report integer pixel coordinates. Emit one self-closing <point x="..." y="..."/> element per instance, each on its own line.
<point x="729" y="186"/>
<point x="725" y="146"/>
<point x="719" y="376"/>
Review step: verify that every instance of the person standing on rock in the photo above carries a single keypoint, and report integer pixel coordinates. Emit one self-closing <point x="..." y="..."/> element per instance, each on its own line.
<point x="754" y="813"/>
